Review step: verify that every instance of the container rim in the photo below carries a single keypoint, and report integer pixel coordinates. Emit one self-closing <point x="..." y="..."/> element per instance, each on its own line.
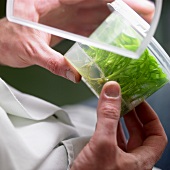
<point x="86" y="40"/>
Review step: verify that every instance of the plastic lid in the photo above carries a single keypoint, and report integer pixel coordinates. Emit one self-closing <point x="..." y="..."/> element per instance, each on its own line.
<point x="138" y="23"/>
<point x="130" y="15"/>
<point x="123" y="9"/>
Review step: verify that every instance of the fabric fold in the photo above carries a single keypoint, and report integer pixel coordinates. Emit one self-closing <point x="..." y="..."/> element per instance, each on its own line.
<point x="28" y="130"/>
<point x="31" y="107"/>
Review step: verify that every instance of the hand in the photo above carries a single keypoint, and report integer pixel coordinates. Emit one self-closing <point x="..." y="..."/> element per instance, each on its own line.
<point x="22" y="46"/>
<point x="108" y="149"/>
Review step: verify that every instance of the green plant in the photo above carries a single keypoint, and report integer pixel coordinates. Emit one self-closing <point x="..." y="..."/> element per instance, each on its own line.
<point x="138" y="78"/>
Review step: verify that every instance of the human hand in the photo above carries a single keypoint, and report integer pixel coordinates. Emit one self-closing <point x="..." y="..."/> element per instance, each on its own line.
<point x="22" y="46"/>
<point x="108" y="149"/>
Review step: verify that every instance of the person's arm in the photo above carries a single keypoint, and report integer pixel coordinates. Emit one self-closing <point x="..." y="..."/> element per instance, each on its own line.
<point x="108" y="149"/>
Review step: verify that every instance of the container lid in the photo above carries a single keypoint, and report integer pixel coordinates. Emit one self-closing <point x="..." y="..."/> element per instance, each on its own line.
<point x="138" y="24"/>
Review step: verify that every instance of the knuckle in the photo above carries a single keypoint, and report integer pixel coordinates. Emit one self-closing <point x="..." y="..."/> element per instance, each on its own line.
<point x="111" y="112"/>
<point x="52" y="65"/>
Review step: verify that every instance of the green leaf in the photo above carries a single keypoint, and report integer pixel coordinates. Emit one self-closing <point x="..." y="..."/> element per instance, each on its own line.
<point x="138" y="78"/>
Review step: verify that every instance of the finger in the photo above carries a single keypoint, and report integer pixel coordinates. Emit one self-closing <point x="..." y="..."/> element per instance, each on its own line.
<point x="135" y="130"/>
<point x="151" y="126"/>
<point x="149" y="119"/>
<point x="57" y="64"/>
<point x="145" y="8"/>
<point x="156" y="140"/>
<point x="99" y="153"/>
<point x="108" y="112"/>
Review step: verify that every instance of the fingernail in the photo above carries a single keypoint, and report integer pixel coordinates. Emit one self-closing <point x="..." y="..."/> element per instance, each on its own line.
<point x="70" y="75"/>
<point x="112" y="90"/>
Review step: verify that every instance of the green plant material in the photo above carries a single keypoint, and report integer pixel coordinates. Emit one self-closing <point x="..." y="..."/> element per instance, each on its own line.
<point x="138" y="78"/>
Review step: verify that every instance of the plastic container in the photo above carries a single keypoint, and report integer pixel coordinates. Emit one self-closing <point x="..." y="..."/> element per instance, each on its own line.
<point x="138" y="78"/>
<point x="121" y="11"/>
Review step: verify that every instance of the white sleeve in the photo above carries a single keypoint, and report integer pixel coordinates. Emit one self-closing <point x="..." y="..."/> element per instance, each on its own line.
<point x="73" y="147"/>
<point x="28" y="130"/>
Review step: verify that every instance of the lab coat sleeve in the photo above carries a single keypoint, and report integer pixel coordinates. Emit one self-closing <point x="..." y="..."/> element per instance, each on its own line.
<point x="73" y="147"/>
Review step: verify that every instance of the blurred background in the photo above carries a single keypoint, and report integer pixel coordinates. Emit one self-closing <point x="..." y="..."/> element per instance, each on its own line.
<point x="57" y="90"/>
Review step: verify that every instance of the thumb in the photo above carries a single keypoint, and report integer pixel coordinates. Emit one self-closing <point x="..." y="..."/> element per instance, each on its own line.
<point x="108" y="111"/>
<point x="57" y="64"/>
<point x="100" y="153"/>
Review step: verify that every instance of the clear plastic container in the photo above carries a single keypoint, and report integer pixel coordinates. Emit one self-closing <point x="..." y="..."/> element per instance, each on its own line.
<point x="138" y="78"/>
<point x="122" y="12"/>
